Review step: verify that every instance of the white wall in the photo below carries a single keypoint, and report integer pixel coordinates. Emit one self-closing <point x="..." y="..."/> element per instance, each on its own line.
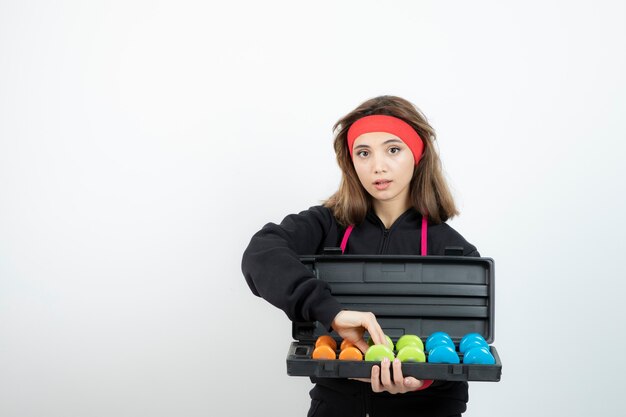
<point x="143" y="143"/>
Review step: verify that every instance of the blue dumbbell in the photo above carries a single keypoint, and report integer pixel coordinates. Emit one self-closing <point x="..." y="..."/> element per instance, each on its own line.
<point x="439" y="338"/>
<point x="443" y="354"/>
<point x="472" y="340"/>
<point x="479" y="355"/>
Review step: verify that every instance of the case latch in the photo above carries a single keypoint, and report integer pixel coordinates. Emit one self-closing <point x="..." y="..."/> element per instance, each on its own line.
<point x="453" y="251"/>
<point x="332" y="251"/>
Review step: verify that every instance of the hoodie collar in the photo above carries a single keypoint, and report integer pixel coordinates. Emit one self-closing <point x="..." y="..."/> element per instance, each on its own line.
<point x="373" y="217"/>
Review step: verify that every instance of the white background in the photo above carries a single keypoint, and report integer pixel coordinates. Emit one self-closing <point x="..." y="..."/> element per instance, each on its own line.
<point x="143" y="143"/>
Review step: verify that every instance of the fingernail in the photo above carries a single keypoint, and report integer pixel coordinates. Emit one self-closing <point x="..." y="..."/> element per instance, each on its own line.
<point x="385" y="361"/>
<point x="407" y="381"/>
<point x="396" y="360"/>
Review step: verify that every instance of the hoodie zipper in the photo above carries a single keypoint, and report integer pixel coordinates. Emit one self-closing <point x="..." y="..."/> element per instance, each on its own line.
<point x="383" y="246"/>
<point x="386" y="232"/>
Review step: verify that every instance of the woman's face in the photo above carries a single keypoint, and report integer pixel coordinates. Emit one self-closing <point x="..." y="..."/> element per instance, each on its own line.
<point x="384" y="165"/>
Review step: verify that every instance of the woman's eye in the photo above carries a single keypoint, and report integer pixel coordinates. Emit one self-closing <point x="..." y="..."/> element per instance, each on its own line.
<point x="360" y="153"/>
<point x="397" y="149"/>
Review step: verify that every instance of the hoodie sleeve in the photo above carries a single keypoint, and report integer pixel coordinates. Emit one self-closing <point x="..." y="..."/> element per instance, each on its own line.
<point x="273" y="271"/>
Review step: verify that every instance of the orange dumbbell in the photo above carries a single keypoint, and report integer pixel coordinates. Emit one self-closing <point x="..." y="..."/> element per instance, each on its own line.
<point x="325" y="347"/>
<point x="351" y="353"/>
<point x="324" y="352"/>
<point x="345" y="344"/>
<point x="326" y="340"/>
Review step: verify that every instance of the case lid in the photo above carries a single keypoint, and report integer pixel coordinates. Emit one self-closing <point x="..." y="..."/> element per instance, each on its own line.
<point x="409" y="294"/>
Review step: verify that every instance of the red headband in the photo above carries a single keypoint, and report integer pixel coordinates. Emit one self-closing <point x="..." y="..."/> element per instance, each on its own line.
<point x="387" y="124"/>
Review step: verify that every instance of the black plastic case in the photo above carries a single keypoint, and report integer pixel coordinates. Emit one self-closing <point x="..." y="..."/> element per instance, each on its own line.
<point x="409" y="294"/>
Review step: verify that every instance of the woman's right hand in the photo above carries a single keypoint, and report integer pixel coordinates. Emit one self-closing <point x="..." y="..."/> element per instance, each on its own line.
<point x="351" y="325"/>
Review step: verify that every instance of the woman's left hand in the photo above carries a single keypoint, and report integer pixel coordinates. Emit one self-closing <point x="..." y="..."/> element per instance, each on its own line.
<point x="381" y="379"/>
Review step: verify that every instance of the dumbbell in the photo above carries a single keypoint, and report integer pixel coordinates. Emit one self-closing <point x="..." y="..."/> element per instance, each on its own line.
<point x="376" y="353"/>
<point x="370" y="342"/>
<point x="349" y="352"/>
<point x="439" y="338"/>
<point x="345" y="343"/>
<point x="410" y="349"/>
<point x="479" y="355"/>
<point x="472" y="340"/>
<point x="441" y="348"/>
<point x="325" y="347"/>
<point x="409" y="340"/>
<point x="476" y="350"/>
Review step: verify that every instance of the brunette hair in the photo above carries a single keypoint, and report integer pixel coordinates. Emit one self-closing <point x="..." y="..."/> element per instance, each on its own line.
<point x="429" y="192"/>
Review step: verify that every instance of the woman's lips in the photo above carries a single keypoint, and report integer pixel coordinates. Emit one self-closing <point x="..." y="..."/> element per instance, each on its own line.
<point x="382" y="185"/>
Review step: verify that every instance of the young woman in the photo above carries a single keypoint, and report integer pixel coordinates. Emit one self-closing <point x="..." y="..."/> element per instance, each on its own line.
<point x="393" y="199"/>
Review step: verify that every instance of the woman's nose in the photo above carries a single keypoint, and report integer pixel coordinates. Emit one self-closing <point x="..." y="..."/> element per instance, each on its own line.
<point x="380" y="165"/>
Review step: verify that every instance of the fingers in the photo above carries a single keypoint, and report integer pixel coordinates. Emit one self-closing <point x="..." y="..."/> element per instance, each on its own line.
<point x="385" y="375"/>
<point x="351" y="324"/>
<point x="412" y="384"/>
<point x="397" y="373"/>
<point x="409" y="383"/>
<point x="361" y="344"/>
<point x="374" y="329"/>
<point x="376" y="379"/>
<point x="382" y="380"/>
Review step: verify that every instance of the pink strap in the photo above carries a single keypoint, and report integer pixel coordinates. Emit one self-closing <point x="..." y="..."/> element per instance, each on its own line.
<point x="424" y="235"/>
<point x="346" y="235"/>
<point x="424" y="250"/>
